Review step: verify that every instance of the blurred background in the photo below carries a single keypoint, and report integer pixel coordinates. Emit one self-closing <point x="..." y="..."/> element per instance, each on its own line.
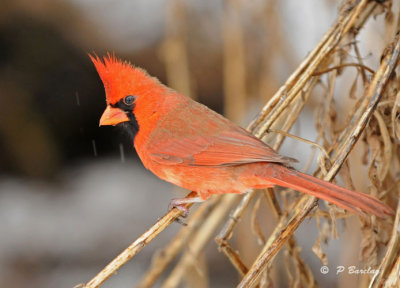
<point x="73" y="195"/>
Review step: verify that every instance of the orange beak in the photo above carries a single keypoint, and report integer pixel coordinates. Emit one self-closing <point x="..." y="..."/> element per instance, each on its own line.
<point x="113" y="116"/>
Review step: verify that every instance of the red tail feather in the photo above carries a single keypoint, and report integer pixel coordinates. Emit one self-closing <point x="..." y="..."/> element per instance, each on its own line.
<point x="350" y="200"/>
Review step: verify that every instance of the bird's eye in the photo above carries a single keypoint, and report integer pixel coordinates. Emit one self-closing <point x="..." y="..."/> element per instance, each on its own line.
<point x="128" y="100"/>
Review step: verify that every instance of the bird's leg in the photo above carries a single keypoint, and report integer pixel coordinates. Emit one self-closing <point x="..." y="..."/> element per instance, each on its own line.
<point x="179" y="203"/>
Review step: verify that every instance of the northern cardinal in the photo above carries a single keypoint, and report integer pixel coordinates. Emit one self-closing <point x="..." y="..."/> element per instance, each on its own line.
<point x="185" y="143"/>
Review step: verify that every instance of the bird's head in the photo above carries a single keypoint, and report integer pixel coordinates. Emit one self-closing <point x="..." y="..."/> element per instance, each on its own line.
<point x="130" y="92"/>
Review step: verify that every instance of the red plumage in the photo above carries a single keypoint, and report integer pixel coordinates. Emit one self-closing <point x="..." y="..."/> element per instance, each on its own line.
<point x="187" y="144"/>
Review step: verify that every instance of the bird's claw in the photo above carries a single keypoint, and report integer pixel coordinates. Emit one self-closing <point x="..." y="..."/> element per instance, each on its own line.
<point x="180" y="207"/>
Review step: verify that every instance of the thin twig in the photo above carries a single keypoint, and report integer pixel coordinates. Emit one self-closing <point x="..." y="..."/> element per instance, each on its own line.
<point x="301" y="139"/>
<point x="359" y="59"/>
<point x="233" y="256"/>
<point x="363" y="67"/>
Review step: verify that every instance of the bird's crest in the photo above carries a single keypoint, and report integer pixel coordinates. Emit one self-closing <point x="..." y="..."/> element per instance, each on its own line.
<point x="119" y="77"/>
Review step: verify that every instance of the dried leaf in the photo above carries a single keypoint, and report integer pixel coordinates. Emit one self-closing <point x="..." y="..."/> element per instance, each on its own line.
<point x="322" y="237"/>
<point x="396" y="117"/>
<point x="353" y="89"/>
<point x="387" y="148"/>
<point x="288" y="270"/>
<point x="369" y="247"/>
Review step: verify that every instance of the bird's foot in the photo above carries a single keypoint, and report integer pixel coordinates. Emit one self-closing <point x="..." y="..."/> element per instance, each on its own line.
<point x="180" y="203"/>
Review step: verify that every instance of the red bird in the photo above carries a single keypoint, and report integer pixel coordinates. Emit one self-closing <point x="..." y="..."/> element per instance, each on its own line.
<point x="185" y="143"/>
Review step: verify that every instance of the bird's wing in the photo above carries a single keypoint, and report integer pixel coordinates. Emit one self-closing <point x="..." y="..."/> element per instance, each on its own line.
<point x="231" y="147"/>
